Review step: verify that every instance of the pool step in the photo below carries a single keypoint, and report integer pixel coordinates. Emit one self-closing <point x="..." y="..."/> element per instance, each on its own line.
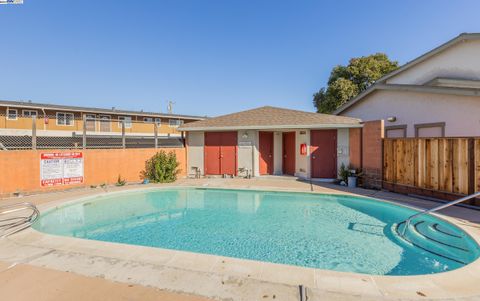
<point x="430" y="233"/>
<point x="437" y="239"/>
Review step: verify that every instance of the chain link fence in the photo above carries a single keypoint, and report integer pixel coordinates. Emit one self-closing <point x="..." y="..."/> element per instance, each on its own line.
<point x="22" y="132"/>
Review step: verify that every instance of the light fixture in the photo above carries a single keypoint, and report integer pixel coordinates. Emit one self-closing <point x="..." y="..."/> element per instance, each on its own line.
<point x="392" y="119"/>
<point x="245" y="135"/>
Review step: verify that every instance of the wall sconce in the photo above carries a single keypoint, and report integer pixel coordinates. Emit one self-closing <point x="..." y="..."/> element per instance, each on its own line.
<point x="245" y="135"/>
<point x="392" y="119"/>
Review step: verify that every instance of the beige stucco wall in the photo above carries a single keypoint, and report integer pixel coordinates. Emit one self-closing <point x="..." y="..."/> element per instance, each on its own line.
<point x="302" y="162"/>
<point x="248" y="151"/>
<point x="343" y="150"/>
<point x="459" y="61"/>
<point x="460" y="113"/>
<point x="195" y="143"/>
<point x="277" y="153"/>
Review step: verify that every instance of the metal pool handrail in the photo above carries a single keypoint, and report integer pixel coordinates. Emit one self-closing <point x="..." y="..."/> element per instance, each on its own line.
<point x="14" y="224"/>
<point x="428" y="211"/>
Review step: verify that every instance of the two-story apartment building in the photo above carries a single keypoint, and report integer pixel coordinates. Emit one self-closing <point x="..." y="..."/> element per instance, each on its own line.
<point x="17" y="119"/>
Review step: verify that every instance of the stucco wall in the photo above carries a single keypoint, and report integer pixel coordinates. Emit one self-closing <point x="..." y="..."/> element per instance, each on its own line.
<point x="302" y="168"/>
<point x="195" y="143"/>
<point x="248" y="151"/>
<point x="343" y="151"/>
<point x="460" y="113"/>
<point x="459" y="61"/>
<point x="277" y="153"/>
<point x="21" y="169"/>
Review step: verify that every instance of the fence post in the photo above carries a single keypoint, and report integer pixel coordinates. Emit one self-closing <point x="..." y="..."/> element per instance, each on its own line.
<point x="123" y="134"/>
<point x="84" y="136"/>
<point x="472" y="183"/>
<point x="155" y="133"/>
<point x="34" y="132"/>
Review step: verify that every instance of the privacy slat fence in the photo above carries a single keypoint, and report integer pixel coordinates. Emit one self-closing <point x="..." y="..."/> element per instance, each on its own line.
<point x="444" y="165"/>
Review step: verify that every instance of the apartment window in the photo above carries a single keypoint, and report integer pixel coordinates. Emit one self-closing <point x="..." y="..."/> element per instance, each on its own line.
<point x="65" y="118"/>
<point x="12" y="114"/>
<point x="427" y="130"/>
<point x="29" y="113"/>
<point x="91" y="122"/>
<point x="148" y="119"/>
<point x="173" y="123"/>
<point x="396" y="131"/>
<point x="104" y="121"/>
<point x="127" y="120"/>
<point x="158" y="121"/>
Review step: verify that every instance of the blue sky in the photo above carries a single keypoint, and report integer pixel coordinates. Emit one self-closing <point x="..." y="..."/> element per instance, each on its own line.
<point x="210" y="57"/>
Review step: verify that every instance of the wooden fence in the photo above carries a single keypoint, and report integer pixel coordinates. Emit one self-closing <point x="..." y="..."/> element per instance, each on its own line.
<point x="443" y="165"/>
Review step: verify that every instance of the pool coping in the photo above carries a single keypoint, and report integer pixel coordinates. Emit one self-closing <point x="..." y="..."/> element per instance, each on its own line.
<point x="459" y="283"/>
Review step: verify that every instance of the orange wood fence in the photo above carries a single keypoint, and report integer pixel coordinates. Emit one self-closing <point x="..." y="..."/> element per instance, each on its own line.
<point x="20" y="170"/>
<point x="448" y="165"/>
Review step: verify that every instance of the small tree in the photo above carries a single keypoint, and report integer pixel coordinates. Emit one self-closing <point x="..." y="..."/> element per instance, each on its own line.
<point x="346" y="82"/>
<point x="162" y="167"/>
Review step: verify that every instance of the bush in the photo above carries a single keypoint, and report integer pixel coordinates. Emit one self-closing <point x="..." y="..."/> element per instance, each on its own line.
<point x="120" y="181"/>
<point x="344" y="173"/>
<point x="162" y="167"/>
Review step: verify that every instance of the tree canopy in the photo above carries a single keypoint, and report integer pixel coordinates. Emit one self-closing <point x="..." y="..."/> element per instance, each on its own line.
<point x="346" y="82"/>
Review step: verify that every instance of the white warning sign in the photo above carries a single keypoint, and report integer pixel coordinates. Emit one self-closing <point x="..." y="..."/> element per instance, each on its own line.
<point x="61" y="168"/>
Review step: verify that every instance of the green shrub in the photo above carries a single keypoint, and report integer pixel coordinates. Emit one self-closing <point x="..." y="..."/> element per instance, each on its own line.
<point x="120" y="181"/>
<point x="344" y="173"/>
<point x="162" y="167"/>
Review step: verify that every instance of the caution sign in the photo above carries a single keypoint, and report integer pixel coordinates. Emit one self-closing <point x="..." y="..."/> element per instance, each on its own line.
<point x="61" y="168"/>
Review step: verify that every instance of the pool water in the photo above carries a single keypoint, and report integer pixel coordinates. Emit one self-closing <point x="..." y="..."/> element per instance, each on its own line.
<point x="334" y="232"/>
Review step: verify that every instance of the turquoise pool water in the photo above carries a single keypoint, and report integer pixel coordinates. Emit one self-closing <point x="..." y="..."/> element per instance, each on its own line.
<point x="334" y="232"/>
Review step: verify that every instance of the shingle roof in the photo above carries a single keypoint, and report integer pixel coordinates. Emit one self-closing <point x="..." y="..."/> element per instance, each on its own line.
<point x="271" y="117"/>
<point x="33" y="105"/>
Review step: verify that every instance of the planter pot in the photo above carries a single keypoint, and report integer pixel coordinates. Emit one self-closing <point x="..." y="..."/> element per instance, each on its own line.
<point x="352" y="182"/>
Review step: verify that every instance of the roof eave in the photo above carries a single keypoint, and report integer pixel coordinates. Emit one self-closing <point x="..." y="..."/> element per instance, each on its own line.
<point x="431" y="89"/>
<point x="427" y="55"/>
<point x="91" y="110"/>
<point x="410" y="88"/>
<point x="271" y="127"/>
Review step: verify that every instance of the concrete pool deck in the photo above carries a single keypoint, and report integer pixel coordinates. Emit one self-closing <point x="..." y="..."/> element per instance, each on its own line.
<point x="187" y="275"/>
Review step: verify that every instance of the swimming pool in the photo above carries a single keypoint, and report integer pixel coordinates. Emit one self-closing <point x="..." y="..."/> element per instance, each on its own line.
<point x="335" y="232"/>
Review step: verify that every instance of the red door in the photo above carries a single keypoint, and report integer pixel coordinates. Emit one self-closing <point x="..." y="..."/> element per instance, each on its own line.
<point x="323" y="152"/>
<point x="288" y="153"/>
<point x="220" y="153"/>
<point x="212" y="153"/>
<point x="228" y="153"/>
<point x="266" y="153"/>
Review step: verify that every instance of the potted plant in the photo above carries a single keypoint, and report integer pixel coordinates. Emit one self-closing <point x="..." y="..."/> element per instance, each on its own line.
<point x="349" y="176"/>
<point x="344" y="174"/>
<point x="352" y="179"/>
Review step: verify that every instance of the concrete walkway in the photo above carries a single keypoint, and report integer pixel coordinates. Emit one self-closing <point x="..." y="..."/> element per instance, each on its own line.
<point x="64" y="268"/>
<point x="25" y="282"/>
